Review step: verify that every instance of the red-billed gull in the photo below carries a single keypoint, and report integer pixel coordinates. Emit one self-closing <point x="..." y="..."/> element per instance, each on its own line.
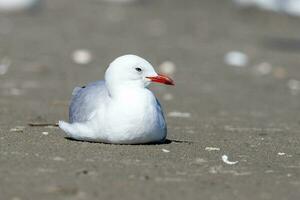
<point x="119" y="109"/>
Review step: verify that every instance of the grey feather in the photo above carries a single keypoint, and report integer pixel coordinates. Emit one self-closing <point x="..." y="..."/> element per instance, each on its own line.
<point x="76" y="90"/>
<point x="85" y="100"/>
<point x="161" y="116"/>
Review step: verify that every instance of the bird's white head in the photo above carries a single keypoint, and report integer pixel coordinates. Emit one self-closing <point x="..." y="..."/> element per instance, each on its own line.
<point x="133" y="71"/>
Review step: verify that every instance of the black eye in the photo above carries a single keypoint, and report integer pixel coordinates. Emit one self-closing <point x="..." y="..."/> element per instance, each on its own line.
<point x="138" y="69"/>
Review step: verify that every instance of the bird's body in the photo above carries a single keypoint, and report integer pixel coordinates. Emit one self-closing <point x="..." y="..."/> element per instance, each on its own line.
<point x="112" y="111"/>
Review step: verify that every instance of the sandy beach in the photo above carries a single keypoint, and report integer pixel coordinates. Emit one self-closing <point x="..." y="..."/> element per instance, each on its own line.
<point x="249" y="113"/>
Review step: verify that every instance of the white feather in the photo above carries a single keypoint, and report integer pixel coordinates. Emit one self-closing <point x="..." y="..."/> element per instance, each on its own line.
<point x="118" y="110"/>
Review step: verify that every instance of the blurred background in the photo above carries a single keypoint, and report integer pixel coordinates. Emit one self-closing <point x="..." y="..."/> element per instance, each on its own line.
<point x="236" y="68"/>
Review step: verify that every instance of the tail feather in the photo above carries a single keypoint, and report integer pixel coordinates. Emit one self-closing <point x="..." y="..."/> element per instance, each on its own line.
<point x="78" y="131"/>
<point x="66" y="127"/>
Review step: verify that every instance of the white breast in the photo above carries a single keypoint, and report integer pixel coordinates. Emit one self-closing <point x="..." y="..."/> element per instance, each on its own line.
<point x="133" y="116"/>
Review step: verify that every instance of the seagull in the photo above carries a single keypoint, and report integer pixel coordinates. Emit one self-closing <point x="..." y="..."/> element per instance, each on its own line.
<point x="119" y="109"/>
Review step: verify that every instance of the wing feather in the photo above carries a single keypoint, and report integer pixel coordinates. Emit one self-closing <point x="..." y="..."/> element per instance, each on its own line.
<point x="86" y="100"/>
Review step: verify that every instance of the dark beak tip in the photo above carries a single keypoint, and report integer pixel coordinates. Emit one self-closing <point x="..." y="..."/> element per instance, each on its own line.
<point x="162" y="79"/>
<point x="171" y="83"/>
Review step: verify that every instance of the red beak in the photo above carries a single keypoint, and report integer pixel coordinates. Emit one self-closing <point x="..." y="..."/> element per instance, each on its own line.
<point x="161" y="79"/>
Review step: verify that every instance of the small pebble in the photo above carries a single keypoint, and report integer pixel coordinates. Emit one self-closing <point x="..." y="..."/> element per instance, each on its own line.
<point x="179" y="114"/>
<point x="225" y="160"/>
<point x="57" y="158"/>
<point x="16" y="198"/>
<point x="4" y="65"/>
<point x="15" y="92"/>
<point x="200" y="160"/>
<point x="269" y="171"/>
<point x="167" y="67"/>
<point x="212" y="148"/>
<point x="45" y="133"/>
<point x="166" y="150"/>
<point x="82" y="56"/>
<point x="168" y="97"/>
<point x="17" y="129"/>
<point x="263" y="68"/>
<point x="294" y="86"/>
<point x="236" y="59"/>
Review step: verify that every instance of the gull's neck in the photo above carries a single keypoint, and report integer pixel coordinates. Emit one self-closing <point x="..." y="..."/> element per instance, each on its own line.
<point x="130" y="88"/>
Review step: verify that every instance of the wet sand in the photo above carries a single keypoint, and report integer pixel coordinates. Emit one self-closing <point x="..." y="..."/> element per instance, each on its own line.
<point x="247" y="113"/>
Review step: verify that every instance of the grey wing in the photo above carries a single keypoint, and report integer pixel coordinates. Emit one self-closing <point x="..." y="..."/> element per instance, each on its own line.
<point x="85" y="101"/>
<point x="161" y="115"/>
